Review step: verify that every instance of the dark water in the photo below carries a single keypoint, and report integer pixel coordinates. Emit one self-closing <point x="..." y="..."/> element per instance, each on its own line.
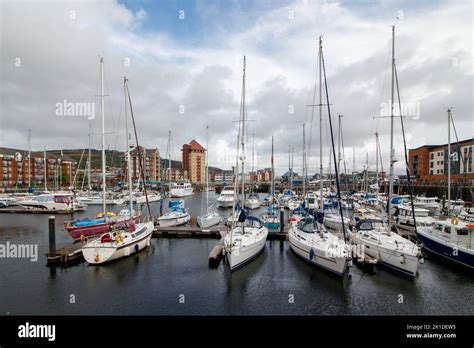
<point x="153" y="281"/>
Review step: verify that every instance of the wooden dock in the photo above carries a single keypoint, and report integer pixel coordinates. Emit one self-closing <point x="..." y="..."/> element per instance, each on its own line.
<point x="217" y="254"/>
<point x="66" y="256"/>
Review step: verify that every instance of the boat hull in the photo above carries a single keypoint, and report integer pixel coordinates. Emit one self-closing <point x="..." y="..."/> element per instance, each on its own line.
<point x="172" y="222"/>
<point x="317" y="257"/>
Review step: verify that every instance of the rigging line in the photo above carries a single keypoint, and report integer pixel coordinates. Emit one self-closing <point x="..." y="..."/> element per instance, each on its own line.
<point x="312" y="109"/>
<point x="332" y="142"/>
<point x="139" y="154"/>
<point x="344" y="160"/>
<point x="463" y="160"/>
<point x="410" y="186"/>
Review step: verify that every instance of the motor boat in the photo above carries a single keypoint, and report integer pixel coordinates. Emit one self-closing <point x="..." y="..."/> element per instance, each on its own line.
<point x="226" y="198"/>
<point x="181" y="189"/>
<point x="252" y="201"/>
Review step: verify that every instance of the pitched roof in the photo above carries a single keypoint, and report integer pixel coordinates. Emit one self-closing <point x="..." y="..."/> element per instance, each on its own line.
<point x="194" y="145"/>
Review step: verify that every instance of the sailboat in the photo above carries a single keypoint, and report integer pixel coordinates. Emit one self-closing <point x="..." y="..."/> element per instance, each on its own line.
<point x="375" y="236"/>
<point x="247" y="235"/>
<point x="253" y="200"/>
<point x="120" y="242"/>
<point x="309" y="238"/>
<point x="176" y="216"/>
<point x="271" y="219"/>
<point x="211" y="218"/>
<point x="105" y="221"/>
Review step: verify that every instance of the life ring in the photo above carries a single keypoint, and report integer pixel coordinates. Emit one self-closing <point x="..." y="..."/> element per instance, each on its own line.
<point x="97" y="258"/>
<point x="454" y="221"/>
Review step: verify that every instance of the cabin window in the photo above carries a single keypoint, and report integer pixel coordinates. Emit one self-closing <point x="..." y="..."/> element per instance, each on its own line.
<point x="439" y="228"/>
<point x="463" y="232"/>
<point x="366" y="225"/>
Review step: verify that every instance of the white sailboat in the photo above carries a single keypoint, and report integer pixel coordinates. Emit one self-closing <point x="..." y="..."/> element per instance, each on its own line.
<point x="211" y="218"/>
<point x="176" y="216"/>
<point x="377" y="239"/>
<point x="119" y="242"/>
<point x="247" y="235"/>
<point x="309" y="239"/>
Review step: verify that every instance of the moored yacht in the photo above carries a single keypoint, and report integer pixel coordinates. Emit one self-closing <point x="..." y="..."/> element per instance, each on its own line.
<point x="226" y="198"/>
<point x="181" y="189"/>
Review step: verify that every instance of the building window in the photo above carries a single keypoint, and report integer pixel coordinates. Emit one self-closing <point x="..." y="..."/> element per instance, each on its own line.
<point x="431" y="164"/>
<point x="432" y="156"/>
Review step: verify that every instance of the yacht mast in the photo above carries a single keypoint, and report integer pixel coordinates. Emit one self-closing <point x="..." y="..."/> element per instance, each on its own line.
<point x="273" y="178"/>
<point x="392" y="159"/>
<point x="129" y="158"/>
<point x="89" y="161"/>
<point x="242" y="157"/>
<point x="449" y="161"/>
<point x="29" y="159"/>
<point x="169" y="160"/>
<point x="45" y="171"/>
<point x="103" y="135"/>
<point x="304" y="160"/>
<point x="291" y="169"/>
<point x="377" y="161"/>
<point x="321" y="182"/>
<point x="207" y="169"/>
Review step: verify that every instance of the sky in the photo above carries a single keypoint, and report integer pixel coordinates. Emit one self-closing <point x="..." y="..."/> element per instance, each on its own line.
<point x="184" y="60"/>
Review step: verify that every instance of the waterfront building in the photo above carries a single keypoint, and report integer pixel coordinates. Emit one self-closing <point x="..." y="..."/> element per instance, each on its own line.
<point x="429" y="163"/>
<point x="150" y="163"/>
<point x="194" y="162"/>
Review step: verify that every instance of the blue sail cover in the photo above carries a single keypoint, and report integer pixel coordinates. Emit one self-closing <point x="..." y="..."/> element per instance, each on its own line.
<point x="177" y="206"/>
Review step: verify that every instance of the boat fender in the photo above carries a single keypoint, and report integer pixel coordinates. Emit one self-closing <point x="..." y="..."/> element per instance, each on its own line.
<point x="136" y="248"/>
<point x="97" y="258"/>
<point x="402" y="259"/>
<point x="311" y="254"/>
<point x="454" y="221"/>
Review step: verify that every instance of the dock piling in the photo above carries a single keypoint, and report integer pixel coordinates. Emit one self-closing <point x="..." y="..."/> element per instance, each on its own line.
<point x="282" y="219"/>
<point x="52" y="235"/>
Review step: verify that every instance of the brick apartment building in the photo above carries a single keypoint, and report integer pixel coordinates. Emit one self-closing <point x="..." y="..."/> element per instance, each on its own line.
<point x="150" y="161"/>
<point x="429" y="163"/>
<point x="194" y="162"/>
<point x="59" y="170"/>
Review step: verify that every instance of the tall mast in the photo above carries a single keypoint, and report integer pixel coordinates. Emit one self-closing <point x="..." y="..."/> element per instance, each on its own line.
<point x="291" y="169"/>
<point x="377" y="161"/>
<point x="89" y="161"/>
<point x="353" y="167"/>
<point x="103" y="135"/>
<point x="207" y="169"/>
<point x="304" y="160"/>
<point x="29" y="158"/>
<point x="273" y="176"/>
<point x="339" y="136"/>
<point x="242" y="157"/>
<point x="449" y="161"/>
<point x="129" y="158"/>
<point x="321" y="182"/>
<point x="366" y="185"/>
<point x="45" y="171"/>
<point x="169" y="160"/>
<point x="392" y="159"/>
<point x="289" y="165"/>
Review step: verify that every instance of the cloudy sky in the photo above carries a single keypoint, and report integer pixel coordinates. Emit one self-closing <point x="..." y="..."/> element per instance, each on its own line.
<point x="183" y="60"/>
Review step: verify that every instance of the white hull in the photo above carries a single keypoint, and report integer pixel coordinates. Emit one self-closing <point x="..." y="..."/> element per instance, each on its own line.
<point x="180" y="193"/>
<point x="225" y="203"/>
<point x="100" y="201"/>
<point x="96" y="252"/>
<point x="252" y="203"/>
<point x="316" y="253"/>
<point x="171" y="221"/>
<point x="334" y="222"/>
<point x="208" y="220"/>
<point x="397" y="260"/>
<point x="245" y="249"/>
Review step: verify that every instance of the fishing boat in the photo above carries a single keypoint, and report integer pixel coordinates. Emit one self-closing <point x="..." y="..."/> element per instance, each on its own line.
<point x="247" y="236"/>
<point x="226" y="197"/>
<point x="181" y="189"/>
<point x="211" y="217"/>
<point x="176" y="216"/>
